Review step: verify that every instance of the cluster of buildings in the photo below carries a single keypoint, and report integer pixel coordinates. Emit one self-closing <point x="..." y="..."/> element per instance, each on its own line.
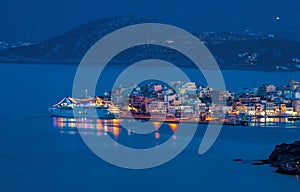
<point x="179" y="98"/>
<point x="269" y="100"/>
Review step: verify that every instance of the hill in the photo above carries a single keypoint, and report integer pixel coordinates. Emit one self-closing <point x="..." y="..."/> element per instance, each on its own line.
<point x="232" y="51"/>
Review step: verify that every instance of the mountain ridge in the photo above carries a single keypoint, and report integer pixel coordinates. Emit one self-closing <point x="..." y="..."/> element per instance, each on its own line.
<point x="231" y="50"/>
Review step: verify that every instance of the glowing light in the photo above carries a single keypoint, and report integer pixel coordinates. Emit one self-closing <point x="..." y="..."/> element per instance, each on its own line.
<point x="71" y="124"/>
<point x="157" y="135"/>
<point x="116" y="122"/>
<point x="105" y="128"/>
<point x="61" y="124"/>
<point x="173" y="126"/>
<point x="208" y="118"/>
<point x="99" y="126"/>
<point x="116" y="131"/>
<point x="156" y="125"/>
<point x="277" y="18"/>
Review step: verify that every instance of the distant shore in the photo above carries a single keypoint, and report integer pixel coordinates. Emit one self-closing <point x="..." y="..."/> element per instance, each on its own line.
<point x="126" y="64"/>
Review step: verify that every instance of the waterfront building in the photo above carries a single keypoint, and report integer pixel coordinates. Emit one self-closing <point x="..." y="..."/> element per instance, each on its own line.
<point x="157" y="107"/>
<point x="251" y="110"/>
<point x="188" y="97"/>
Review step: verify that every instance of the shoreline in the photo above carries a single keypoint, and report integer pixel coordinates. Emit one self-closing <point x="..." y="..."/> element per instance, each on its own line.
<point x="126" y="64"/>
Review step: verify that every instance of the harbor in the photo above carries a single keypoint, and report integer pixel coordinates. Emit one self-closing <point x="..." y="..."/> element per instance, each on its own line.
<point x="70" y="107"/>
<point x="187" y="102"/>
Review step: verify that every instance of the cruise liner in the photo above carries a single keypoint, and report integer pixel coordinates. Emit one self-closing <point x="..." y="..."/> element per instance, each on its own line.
<point x="85" y="108"/>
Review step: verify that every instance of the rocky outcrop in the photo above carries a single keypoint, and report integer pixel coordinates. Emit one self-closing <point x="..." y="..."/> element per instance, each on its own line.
<point x="287" y="158"/>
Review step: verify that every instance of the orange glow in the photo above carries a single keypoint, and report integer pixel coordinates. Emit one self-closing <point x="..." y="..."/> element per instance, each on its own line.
<point x="173" y="126"/>
<point x="60" y="119"/>
<point x="116" y="131"/>
<point x="99" y="126"/>
<point x="61" y="124"/>
<point x="116" y="122"/>
<point x="157" y="135"/>
<point x="208" y="118"/>
<point x="156" y="124"/>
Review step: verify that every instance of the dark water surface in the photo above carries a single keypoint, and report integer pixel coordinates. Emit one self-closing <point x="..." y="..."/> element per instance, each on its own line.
<point x="39" y="153"/>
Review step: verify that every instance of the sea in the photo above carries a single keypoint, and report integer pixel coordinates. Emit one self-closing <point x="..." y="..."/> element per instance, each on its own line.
<point x="41" y="153"/>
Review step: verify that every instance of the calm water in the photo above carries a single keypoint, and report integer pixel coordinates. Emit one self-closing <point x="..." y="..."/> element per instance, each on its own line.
<point x="40" y="153"/>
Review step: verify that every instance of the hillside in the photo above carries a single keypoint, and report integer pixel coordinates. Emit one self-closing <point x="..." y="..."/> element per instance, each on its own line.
<point x="232" y="51"/>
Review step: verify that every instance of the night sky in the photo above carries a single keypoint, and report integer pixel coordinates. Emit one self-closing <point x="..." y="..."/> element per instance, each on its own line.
<point x="36" y="20"/>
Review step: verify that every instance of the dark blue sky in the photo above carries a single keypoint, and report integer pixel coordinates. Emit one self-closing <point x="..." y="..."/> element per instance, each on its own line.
<point x="37" y="20"/>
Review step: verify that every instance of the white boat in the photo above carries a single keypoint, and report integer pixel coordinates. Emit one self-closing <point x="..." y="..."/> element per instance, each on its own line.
<point x="85" y="108"/>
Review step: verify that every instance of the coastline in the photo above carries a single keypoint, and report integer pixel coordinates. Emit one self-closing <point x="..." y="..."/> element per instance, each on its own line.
<point x="63" y="63"/>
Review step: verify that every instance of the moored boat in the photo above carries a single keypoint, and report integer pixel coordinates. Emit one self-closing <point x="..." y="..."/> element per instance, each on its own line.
<point x="85" y="108"/>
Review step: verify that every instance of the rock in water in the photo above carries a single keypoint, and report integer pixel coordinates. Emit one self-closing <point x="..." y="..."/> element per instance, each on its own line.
<point x="287" y="158"/>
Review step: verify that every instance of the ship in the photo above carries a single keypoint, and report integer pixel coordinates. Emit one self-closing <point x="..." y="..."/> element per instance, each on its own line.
<point x="90" y="107"/>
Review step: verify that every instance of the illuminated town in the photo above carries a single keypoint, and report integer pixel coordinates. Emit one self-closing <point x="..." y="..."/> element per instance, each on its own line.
<point x="267" y="101"/>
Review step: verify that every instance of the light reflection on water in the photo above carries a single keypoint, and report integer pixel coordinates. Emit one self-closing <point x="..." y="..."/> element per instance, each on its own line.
<point x="112" y="127"/>
<point x="127" y="137"/>
<point x="102" y="127"/>
<point x="275" y="122"/>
